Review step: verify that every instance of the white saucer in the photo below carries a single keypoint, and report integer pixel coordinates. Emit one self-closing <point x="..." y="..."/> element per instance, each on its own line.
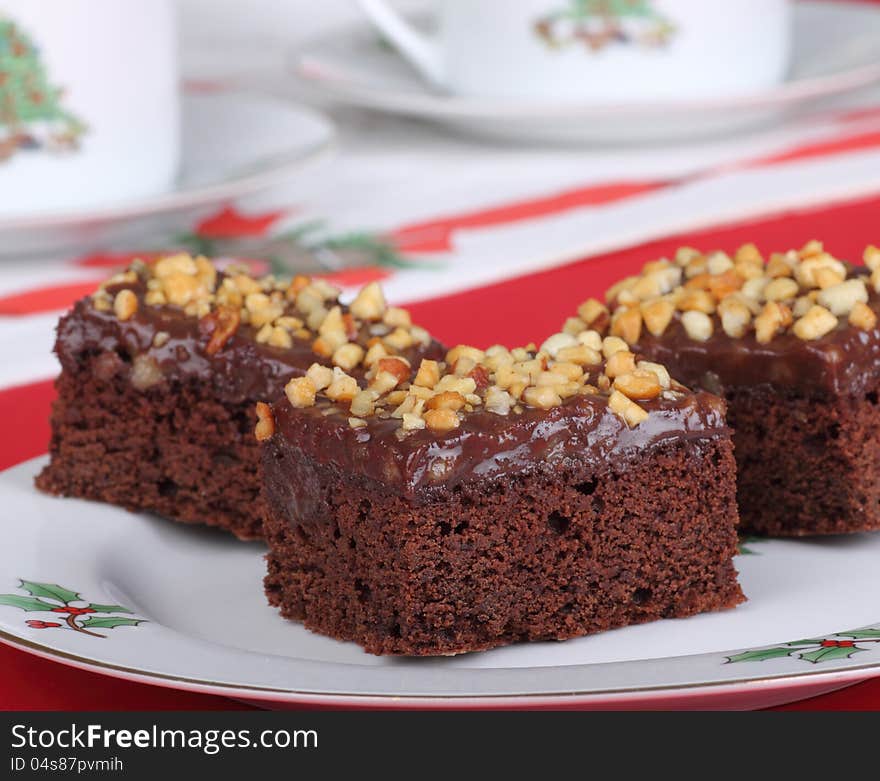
<point x="835" y="53"/>
<point x="234" y="144"/>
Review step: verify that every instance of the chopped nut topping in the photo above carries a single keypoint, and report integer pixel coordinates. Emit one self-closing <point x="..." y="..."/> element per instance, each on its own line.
<point x="343" y="387"/>
<point x="125" y="304"/>
<point x="862" y="316"/>
<point x="739" y="295"/>
<point x="639" y="384"/>
<point x="265" y="427"/>
<point x="441" y="420"/>
<point x="631" y="412"/>
<point x="277" y="311"/>
<point x="839" y="299"/>
<point x="697" y="324"/>
<point x="817" y="322"/>
<point x="369" y="303"/>
<point x="301" y="391"/>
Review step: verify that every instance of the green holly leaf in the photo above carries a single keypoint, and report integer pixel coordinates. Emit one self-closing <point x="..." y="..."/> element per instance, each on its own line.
<point x="25" y="603"/>
<point x="860" y="634"/>
<point x="744" y="542"/>
<point x="110" y="609"/>
<point x="761" y="655"/>
<point x="828" y="654"/>
<point x="49" y="590"/>
<point x="110" y="622"/>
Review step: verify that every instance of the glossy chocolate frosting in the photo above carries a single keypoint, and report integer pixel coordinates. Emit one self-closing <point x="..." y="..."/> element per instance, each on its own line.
<point x="243" y="370"/>
<point x="486" y="445"/>
<point x="844" y="361"/>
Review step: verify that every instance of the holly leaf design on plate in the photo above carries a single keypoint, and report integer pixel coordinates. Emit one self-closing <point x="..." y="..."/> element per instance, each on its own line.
<point x="860" y="634"/>
<point x="25" y="603"/>
<point x="109" y="622"/>
<point x="110" y="608"/>
<point x="761" y="654"/>
<point x="831" y="653"/>
<point x="50" y="590"/>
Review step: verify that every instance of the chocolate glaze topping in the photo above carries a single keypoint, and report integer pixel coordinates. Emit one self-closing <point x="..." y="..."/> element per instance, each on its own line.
<point x="844" y="361"/>
<point x="486" y="446"/>
<point x="243" y="370"/>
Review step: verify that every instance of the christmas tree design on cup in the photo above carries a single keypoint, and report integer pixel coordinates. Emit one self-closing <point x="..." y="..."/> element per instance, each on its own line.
<point x="600" y="23"/>
<point x="32" y="116"/>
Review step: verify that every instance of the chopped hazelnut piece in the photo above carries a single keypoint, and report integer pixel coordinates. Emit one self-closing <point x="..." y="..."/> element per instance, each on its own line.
<point x="498" y="401"/>
<point x="279" y="338"/>
<point x="398" y="367"/>
<point x="698" y="325"/>
<point x="125" y="304"/>
<point x="428" y="374"/>
<point x="871" y="257"/>
<point x="657" y="315"/>
<point x="840" y="299"/>
<point x="862" y="316"/>
<point x="413" y="422"/>
<point x="348" y="356"/>
<point x="781" y="289"/>
<point x="660" y="372"/>
<point x="400" y="339"/>
<point x="627" y="324"/>
<point x="383" y="382"/>
<point x="622" y="362"/>
<point x="320" y="376"/>
<point x="369" y="304"/>
<point x="541" y="397"/>
<point x="397" y="317"/>
<point x="300" y="391"/>
<point x="265" y="427"/>
<point x="817" y="322"/>
<point x="735" y="317"/>
<point x="613" y="344"/>
<point x="557" y="342"/>
<point x="446" y="400"/>
<point x="638" y="385"/>
<point x="374" y="354"/>
<point x="362" y="403"/>
<point x="573" y="326"/>
<point x="581" y="355"/>
<point x="773" y="317"/>
<point x="631" y="412"/>
<point x="594" y="314"/>
<point x="343" y="387"/>
<point x="441" y="420"/>
<point x="357" y="423"/>
<point x="697" y="301"/>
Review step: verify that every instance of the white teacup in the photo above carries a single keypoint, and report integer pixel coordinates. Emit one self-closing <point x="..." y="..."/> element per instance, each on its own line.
<point x="89" y="103"/>
<point x="606" y="51"/>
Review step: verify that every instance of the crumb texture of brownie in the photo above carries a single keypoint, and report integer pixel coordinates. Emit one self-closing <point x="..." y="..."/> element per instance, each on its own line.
<point x="163" y="365"/>
<point x="550" y="554"/>
<point x="792" y="342"/>
<point x="806" y="465"/>
<point x="173" y="449"/>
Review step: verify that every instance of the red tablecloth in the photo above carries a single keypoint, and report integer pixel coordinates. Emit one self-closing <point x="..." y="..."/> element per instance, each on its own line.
<point x="518" y="310"/>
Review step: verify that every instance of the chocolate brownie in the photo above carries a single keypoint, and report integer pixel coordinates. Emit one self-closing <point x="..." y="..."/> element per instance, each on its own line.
<point x="793" y="345"/>
<point x="162" y="367"/>
<point x="501" y="496"/>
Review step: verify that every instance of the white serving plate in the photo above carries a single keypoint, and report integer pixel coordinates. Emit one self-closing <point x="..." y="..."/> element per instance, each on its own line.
<point x="183" y="607"/>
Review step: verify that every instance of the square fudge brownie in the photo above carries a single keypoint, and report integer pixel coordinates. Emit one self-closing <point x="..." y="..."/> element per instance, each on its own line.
<point x="793" y="345"/>
<point x="162" y="367"/>
<point x="501" y="496"/>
